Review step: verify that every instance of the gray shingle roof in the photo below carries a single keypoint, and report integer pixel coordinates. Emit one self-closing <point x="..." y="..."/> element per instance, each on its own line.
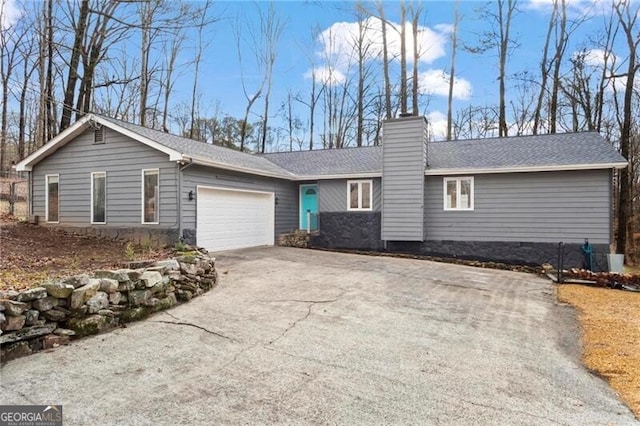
<point x="330" y="161"/>
<point x="191" y="148"/>
<point x="566" y="149"/>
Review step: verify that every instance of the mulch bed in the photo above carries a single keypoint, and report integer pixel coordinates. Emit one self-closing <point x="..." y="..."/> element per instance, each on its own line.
<point x="611" y="336"/>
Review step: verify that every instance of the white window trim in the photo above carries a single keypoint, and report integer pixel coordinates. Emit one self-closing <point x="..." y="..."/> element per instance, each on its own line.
<point x="458" y="180"/>
<point x="46" y="198"/>
<point x="93" y="174"/>
<point x="157" y="171"/>
<point x="360" y="208"/>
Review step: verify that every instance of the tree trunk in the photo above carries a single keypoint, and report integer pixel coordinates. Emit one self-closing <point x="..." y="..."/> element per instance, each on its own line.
<point x="76" y="54"/>
<point x="544" y="70"/>
<point x="385" y="63"/>
<point x="403" y="58"/>
<point x="628" y="24"/>
<point x="505" y="29"/>
<point x="561" y="44"/>
<point x="415" y="91"/>
<point x="452" y="72"/>
<point x="49" y="122"/>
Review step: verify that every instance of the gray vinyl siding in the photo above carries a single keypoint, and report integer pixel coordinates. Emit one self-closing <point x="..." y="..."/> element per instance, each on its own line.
<point x="286" y="210"/>
<point x="123" y="159"/>
<point x="332" y="195"/>
<point x="526" y="207"/>
<point x="403" y="164"/>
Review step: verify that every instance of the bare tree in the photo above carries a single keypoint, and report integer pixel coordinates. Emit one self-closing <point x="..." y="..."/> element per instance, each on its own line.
<point x="627" y="19"/>
<point x="385" y="62"/>
<point x="10" y="43"/>
<point x="545" y="69"/>
<point x="263" y="42"/>
<point x="452" y="70"/>
<point x="29" y="66"/>
<point x="201" y="26"/>
<point x="315" y="92"/>
<point x="499" y="38"/>
<point x="80" y="27"/>
<point x="403" y="58"/>
<point x="362" y="52"/>
<point x="271" y="28"/>
<point x="415" y="83"/>
<point x="505" y="16"/>
<point x="562" y="37"/>
<point x="172" y="47"/>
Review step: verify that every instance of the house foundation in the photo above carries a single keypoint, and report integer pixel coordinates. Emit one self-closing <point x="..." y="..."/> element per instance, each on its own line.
<point x="361" y="231"/>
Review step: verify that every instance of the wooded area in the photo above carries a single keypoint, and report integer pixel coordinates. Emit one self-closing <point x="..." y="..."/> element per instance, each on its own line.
<point x="61" y="59"/>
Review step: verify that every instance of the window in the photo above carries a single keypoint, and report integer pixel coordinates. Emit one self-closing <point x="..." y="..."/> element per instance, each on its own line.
<point x="52" y="196"/>
<point x="359" y="194"/>
<point x="99" y="135"/>
<point x="458" y="193"/>
<point x="150" y="196"/>
<point x="99" y="197"/>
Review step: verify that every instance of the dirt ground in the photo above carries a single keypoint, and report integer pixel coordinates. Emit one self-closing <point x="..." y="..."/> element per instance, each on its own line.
<point x="611" y="336"/>
<point x="30" y="254"/>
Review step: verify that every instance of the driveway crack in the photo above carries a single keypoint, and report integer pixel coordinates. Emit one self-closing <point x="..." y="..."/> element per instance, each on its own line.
<point x="19" y="393"/>
<point x="188" y="324"/>
<point x="311" y="303"/>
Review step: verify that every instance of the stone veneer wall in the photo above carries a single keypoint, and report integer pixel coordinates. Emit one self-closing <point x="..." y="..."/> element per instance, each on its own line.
<point x="49" y="315"/>
<point x="361" y="231"/>
<point x="524" y="253"/>
<point x="348" y="230"/>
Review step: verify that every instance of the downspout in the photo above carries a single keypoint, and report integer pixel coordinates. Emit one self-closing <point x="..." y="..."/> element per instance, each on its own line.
<point x="181" y="168"/>
<point x="30" y="196"/>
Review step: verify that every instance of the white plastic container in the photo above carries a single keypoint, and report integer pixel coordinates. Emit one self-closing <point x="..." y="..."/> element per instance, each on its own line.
<point x="616" y="263"/>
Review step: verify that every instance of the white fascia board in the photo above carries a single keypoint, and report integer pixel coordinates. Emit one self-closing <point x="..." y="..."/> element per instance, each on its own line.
<point x="54" y="144"/>
<point x="339" y="176"/>
<point x="471" y="171"/>
<point x="209" y="163"/>
<point x="173" y="154"/>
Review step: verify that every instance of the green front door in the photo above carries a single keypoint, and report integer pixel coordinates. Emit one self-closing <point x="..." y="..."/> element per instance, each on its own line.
<point x="309" y="207"/>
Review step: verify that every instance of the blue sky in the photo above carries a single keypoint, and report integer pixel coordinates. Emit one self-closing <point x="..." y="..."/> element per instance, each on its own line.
<point x="476" y="74"/>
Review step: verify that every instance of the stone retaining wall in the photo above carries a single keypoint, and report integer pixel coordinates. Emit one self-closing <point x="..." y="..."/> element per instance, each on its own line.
<point x="49" y="315"/>
<point x="298" y="238"/>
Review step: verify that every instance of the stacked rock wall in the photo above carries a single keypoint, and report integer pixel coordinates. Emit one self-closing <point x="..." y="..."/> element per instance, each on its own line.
<point x="49" y="315"/>
<point x="298" y="238"/>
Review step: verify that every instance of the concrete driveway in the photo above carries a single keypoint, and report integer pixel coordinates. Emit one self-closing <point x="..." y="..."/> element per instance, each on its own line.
<point x="298" y="336"/>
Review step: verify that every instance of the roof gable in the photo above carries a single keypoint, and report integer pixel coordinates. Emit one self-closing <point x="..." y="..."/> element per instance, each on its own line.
<point x="79" y="127"/>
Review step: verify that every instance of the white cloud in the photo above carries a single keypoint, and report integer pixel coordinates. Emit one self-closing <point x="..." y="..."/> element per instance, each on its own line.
<point x="339" y="39"/>
<point x="437" y="124"/>
<point x="594" y="57"/>
<point x="9" y="13"/>
<point x="575" y="8"/>
<point x="326" y="75"/>
<point x="436" y="82"/>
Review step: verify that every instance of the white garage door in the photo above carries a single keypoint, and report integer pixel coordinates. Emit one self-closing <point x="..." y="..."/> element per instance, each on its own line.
<point x="232" y="219"/>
